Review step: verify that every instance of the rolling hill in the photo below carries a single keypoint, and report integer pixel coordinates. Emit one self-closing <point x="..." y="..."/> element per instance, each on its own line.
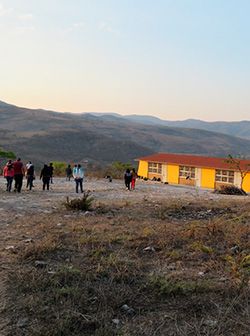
<point x="43" y="136"/>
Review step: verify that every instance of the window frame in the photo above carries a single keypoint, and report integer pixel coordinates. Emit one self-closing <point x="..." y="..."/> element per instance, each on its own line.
<point x="187" y="171"/>
<point x="225" y="176"/>
<point x="155" y="168"/>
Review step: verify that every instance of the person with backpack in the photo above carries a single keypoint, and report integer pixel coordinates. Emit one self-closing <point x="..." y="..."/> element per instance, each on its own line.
<point x="78" y="175"/>
<point x="45" y="176"/>
<point x="127" y="178"/>
<point x="8" y="173"/>
<point x="30" y="175"/>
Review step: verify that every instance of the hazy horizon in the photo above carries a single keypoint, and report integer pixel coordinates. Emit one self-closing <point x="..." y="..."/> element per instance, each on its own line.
<point x="175" y="60"/>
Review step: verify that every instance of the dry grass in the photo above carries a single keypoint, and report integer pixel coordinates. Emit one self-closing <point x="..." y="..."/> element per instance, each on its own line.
<point x="182" y="268"/>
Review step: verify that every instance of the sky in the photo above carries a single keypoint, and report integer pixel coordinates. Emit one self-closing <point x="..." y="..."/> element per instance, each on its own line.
<point x="173" y="59"/>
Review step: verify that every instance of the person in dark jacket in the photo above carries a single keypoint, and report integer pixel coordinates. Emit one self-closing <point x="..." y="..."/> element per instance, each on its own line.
<point x="127" y="178"/>
<point x="30" y="175"/>
<point x="69" y="172"/>
<point x="51" y="171"/>
<point x="45" y="176"/>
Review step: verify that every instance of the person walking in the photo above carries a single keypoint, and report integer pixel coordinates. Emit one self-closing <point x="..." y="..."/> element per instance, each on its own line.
<point x="68" y="171"/>
<point x="30" y="175"/>
<point x="19" y="173"/>
<point x="45" y="176"/>
<point x="78" y="175"/>
<point x="134" y="177"/>
<point x="8" y="173"/>
<point x="127" y="178"/>
<point x="51" y="172"/>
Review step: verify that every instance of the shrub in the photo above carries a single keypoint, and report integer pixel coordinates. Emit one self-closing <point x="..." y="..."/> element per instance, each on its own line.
<point x="230" y="190"/>
<point x="59" y="168"/>
<point x="83" y="204"/>
<point x="117" y="169"/>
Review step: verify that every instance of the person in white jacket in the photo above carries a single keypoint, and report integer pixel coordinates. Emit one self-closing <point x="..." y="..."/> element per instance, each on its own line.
<point x="78" y="175"/>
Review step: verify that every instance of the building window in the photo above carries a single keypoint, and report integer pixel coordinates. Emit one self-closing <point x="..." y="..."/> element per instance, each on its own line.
<point x="154" y="167"/>
<point x="187" y="172"/>
<point x="225" y="176"/>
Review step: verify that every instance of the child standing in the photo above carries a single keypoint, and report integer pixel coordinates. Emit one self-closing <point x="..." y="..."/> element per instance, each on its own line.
<point x="134" y="177"/>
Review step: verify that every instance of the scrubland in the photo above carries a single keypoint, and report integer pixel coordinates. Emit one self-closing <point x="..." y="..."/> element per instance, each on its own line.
<point x="158" y="260"/>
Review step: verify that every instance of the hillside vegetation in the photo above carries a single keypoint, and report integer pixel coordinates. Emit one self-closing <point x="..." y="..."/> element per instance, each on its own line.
<point x="43" y="136"/>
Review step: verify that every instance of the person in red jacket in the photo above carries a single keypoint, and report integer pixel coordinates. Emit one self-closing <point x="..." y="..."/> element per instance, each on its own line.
<point x="19" y="172"/>
<point x="8" y="173"/>
<point x="134" y="177"/>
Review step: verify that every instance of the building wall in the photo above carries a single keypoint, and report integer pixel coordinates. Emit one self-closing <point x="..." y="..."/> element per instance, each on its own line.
<point x="207" y="178"/>
<point x="184" y="181"/>
<point x="143" y="169"/>
<point x="172" y="174"/>
<point x="154" y="175"/>
<point x="246" y="183"/>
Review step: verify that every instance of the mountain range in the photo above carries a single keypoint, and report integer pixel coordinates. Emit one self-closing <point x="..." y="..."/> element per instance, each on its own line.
<point x="101" y="138"/>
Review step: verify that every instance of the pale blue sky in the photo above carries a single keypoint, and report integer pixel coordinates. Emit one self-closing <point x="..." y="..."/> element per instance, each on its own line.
<point x="175" y="59"/>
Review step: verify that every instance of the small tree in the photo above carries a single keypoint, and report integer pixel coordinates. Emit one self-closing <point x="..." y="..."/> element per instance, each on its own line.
<point x="4" y="156"/>
<point x="59" y="168"/>
<point x="118" y="168"/>
<point x="237" y="164"/>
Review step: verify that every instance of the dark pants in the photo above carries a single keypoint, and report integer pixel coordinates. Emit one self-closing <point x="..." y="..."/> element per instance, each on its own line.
<point x="30" y="179"/>
<point x="79" y="183"/>
<point x="9" y="183"/>
<point x="18" y="182"/>
<point x="127" y="183"/>
<point x="46" y="181"/>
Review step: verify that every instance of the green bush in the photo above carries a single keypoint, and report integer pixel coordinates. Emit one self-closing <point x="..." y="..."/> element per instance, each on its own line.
<point x="59" y="168"/>
<point x="7" y="155"/>
<point x="117" y="169"/>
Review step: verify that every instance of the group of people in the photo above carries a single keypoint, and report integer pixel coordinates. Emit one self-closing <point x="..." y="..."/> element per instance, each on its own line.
<point x="16" y="171"/>
<point x="130" y="178"/>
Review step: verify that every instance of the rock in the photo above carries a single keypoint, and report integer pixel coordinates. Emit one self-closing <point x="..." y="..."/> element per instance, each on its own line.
<point x="40" y="263"/>
<point x="116" y="322"/>
<point x="29" y="240"/>
<point x="210" y="323"/>
<point x="128" y="310"/>
<point x="235" y="249"/>
<point x="11" y="247"/>
<point x="46" y="211"/>
<point x="23" y="322"/>
<point x="149" y="249"/>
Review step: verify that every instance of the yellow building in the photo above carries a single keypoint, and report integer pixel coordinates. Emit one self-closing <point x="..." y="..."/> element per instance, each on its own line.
<point x="199" y="171"/>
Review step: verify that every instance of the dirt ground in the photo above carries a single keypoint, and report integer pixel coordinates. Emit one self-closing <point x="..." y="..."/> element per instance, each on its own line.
<point x="20" y="212"/>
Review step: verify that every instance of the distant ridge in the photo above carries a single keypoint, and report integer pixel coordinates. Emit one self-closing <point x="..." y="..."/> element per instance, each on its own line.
<point x="234" y="128"/>
<point x="100" y="138"/>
